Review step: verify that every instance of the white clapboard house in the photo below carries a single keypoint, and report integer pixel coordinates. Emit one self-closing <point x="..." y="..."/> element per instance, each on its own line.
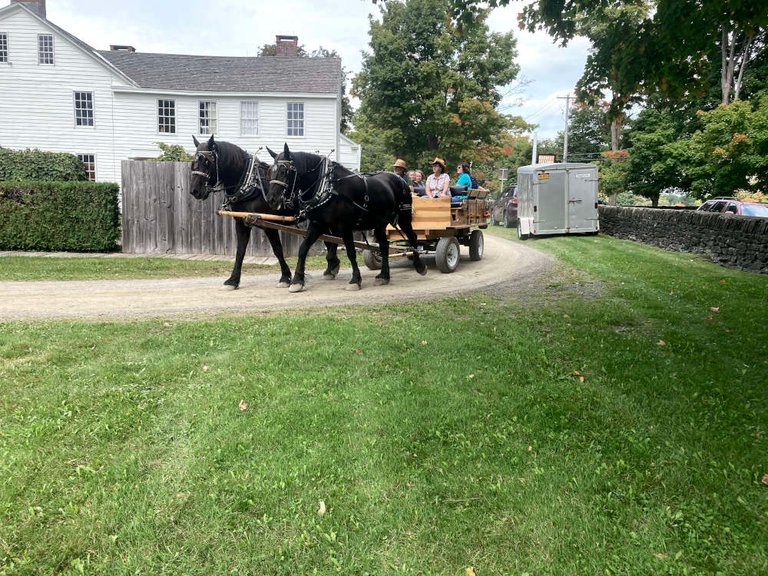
<point x="59" y="94"/>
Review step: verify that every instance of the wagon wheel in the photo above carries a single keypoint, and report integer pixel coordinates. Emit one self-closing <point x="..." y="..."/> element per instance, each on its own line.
<point x="447" y="254"/>
<point x="372" y="259"/>
<point x="476" y="245"/>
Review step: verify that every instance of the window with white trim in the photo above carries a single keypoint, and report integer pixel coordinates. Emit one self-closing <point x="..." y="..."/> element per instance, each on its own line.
<point x="295" y="119"/>
<point x="249" y="118"/>
<point x="45" y="48"/>
<point x="83" y="108"/>
<point x="166" y="116"/>
<point x="208" y="124"/>
<point x="3" y="46"/>
<point x="89" y="162"/>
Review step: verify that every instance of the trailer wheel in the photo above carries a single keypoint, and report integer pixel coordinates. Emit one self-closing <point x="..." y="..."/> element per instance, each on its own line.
<point x="476" y="245"/>
<point x="372" y="259"/>
<point x="447" y="254"/>
<point x="520" y="232"/>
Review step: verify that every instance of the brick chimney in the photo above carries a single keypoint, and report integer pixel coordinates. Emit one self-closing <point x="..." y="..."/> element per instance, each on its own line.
<point x="37" y="6"/>
<point x="286" y="45"/>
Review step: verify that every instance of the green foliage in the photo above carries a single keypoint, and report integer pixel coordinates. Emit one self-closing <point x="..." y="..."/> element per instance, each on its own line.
<point x="33" y="164"/>
<point x="613" y="168"/>
<point x="653" y="166"/>
<point x="729" y="152"/>
<point x="429" y="84"/>
<point x="173" y="153"/>
<point x="376" y="155"/>
<point x="67" y="216"/>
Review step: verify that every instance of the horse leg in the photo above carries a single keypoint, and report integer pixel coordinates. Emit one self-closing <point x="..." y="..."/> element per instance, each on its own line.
<point x="349" y="245"/>
<point x="381" y="237"/>
<point x="333" y="262"/>
<point x="406" y="225"/>
<point x="313" y="233"/>
<point x="243" y="234"/>
<point x="277" y="249"/>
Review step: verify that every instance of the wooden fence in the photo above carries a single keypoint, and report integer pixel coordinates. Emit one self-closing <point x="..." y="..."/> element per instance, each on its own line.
<point x="160" y="216"/>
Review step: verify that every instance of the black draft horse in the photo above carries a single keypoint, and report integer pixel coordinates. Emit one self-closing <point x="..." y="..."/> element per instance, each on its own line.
<point x="329" y="195"/>
<point x="223" y="166"/>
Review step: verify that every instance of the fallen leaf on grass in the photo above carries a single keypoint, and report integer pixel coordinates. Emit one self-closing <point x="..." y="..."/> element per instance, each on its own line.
<point x="715" y="309"/>
<point x="661" y="343"/>
<point x="566" y="316"/>
<point x="321" y="508"/>
<point x="709" y="318"/>
<point x="205" y="368"/>
<point x="765" y="479"/>
<point x="469" y="571"/>
<point x="243" y="405"/>
<point x="358" y="351"/>
<point x="578" y="375"/>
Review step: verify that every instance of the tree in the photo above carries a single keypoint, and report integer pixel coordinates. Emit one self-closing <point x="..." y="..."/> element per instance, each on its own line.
<point x="301" y="52"/>
<point x="430" y="85"/>
<point x="729" y="152"/>
<point x="172" y="153"/>
<point x="653" y="166"/>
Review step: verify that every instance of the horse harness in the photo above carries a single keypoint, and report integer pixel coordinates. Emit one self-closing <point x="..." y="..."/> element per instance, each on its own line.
<point x="247" y="185"/>
<point x="325" y="189"/>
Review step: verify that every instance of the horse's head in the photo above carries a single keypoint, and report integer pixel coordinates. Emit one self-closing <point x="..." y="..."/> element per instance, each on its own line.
<point x="282" y="179"/>
<point x="205" y="170"/>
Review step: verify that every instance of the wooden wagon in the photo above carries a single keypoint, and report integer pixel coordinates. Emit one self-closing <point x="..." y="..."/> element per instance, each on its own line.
<point x="441" y="227"/>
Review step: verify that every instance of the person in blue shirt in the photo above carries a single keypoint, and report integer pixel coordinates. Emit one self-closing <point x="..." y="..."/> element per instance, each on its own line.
<point x="464" y="175"/>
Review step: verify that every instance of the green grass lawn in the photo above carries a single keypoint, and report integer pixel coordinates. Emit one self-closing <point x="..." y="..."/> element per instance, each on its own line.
<point x="121" y="267"/>
<point x="610" y="423"/>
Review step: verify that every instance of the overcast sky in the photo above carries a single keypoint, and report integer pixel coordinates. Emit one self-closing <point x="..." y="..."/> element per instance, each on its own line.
<point x="240" y="27"/>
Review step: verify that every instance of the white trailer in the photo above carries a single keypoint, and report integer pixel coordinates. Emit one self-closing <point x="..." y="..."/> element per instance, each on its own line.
<point x="557" y="199"/>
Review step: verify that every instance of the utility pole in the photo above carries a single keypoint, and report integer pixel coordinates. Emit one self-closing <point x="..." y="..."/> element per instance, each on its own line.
<point x="535" y="154"/>
<point x="565" y="134"/>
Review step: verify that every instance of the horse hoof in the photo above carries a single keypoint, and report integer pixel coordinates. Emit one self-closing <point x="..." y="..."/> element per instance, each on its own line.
<point x="230" y="286"/>
<point x="353" y="287"/>
<point x="283" y="284"/>
<point x="329" y="276"/>
<point x="296" y="288"/>
<point x="381" y="281"/>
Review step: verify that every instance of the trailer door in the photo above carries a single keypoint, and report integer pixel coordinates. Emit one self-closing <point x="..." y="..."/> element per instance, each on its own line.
<point x="551" y="207"/>
<point x="582" y="200"/>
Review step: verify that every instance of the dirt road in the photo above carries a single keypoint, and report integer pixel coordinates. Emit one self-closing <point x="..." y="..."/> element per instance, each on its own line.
<point x="504" y="263"/>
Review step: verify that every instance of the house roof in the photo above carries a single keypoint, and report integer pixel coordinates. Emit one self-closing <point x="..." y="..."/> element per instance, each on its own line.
<point x="228" y="74"/>
<point x="282" y="74"/>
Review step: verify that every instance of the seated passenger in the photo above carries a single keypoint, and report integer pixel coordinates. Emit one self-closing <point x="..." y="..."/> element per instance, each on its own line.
<point x="399" y="168"/>
<point x="417" y="178"/>
<point x="464" y="175"/>
<point x="438" y="181"/>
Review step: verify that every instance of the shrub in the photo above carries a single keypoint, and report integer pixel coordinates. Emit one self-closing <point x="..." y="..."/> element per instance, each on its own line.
<point x="67" y="216"/>
<point x="23" y="165"/>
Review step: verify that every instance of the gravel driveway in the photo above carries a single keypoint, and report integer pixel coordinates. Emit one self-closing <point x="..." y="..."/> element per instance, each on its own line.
<point x="505" y="263"/>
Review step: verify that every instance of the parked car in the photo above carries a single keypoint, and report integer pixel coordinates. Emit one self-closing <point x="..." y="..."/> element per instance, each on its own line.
<point x="725" y="205"/>
<point x="504" y="210"/>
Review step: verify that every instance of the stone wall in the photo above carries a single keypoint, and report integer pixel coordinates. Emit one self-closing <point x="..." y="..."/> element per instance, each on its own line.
<point x="729" y="240"/>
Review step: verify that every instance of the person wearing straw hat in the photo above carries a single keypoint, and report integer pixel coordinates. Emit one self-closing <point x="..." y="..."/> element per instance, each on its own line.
<point x="438" y="181"/>
<point x="399" y="168"/>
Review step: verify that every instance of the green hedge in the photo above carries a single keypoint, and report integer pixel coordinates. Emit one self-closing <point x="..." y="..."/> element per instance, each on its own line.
<point x="23" y="165"/>
<point x="65" y="216"/>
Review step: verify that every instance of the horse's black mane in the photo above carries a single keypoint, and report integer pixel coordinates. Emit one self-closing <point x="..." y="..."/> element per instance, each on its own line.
<point x="230" y="153"/>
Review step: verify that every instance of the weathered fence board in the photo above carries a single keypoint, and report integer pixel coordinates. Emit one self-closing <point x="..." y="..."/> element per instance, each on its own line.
<point x="160" y="216"/>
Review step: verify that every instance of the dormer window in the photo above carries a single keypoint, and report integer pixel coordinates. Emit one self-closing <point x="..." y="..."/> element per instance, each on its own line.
<point x="45" y="48"/>
<point x="3" y="46"/>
